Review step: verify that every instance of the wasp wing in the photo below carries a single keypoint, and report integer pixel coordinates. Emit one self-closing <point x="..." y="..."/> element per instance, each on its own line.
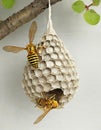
<point x="13" y="49"/>
<point x="42" y="116"/>
<point x="32" y="31"/>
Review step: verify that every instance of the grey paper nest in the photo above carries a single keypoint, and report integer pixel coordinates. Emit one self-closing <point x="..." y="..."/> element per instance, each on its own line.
<point x="56" y="72"/>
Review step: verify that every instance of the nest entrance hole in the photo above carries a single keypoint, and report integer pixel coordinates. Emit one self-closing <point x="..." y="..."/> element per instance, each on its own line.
<point x="58" y="93"/>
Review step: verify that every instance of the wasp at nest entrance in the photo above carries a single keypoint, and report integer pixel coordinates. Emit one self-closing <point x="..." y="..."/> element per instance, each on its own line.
<point x="33" y="51"/>
<point x="49" y="101"/>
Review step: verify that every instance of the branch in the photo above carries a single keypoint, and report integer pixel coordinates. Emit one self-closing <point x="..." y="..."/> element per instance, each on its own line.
<point x="23" y="16"/>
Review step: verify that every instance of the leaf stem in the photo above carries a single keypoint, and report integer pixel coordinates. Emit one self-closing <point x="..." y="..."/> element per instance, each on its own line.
<point x="88" y="6"/>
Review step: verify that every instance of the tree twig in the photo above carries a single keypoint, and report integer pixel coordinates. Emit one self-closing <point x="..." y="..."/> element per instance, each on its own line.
<point x="23" y="16"/>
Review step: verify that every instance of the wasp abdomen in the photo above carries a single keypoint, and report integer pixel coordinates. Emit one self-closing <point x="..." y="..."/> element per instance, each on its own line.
<point x="33" y="60"/>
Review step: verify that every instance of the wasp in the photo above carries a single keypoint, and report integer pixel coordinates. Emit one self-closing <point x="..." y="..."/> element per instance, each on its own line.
<point x="32" y="49"/>
<point x="47" y="104"/>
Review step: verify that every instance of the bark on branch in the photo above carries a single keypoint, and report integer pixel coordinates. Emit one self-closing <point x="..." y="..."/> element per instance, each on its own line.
<point x="23" y="16"/>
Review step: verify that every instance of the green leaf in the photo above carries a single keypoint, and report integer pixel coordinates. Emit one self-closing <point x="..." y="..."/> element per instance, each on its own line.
<point x="78" y="6"/>
<point x="91" y="17"/>
<point x="96" y="2"/>
<point x="8" y="3"/>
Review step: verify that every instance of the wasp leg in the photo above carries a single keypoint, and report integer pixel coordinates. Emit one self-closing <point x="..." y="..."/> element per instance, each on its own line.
<point x="40" y="58"/>
<point x="52" y="97"/>
<point x="40" y="48"/>
<point x="44" y="95"/>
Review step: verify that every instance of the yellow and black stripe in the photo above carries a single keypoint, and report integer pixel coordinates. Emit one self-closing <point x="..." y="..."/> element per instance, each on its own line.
<point x="33" y="60"/>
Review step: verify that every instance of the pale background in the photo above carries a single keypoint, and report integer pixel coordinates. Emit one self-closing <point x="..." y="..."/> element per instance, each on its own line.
<point x="83" y="42"/>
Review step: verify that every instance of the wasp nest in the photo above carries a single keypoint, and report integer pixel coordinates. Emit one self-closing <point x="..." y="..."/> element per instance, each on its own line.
<point x="56" y="72"/>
